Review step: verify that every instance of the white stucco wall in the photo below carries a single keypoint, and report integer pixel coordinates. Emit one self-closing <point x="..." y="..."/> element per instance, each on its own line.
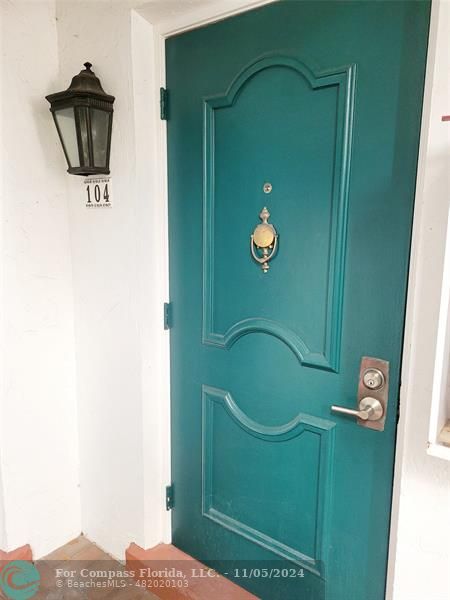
<point x="116" y="258"/>
<point x="38" y="415"/>
<point x="3" y="542"/>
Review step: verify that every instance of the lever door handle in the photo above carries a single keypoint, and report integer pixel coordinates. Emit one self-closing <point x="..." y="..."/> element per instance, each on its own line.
<point x="370" y="409"/>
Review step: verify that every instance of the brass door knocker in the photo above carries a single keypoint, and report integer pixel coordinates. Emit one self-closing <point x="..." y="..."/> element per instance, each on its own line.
<point x="263" y="241"/>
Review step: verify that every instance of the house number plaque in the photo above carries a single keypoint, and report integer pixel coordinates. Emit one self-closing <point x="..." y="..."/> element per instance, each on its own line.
<point x="98" y="192"/>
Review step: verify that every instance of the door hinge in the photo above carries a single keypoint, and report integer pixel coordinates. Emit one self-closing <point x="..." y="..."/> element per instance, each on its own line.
<point x="164" y="103"/>
<point x="169" y="497"/>
<point x="167" y="315"/>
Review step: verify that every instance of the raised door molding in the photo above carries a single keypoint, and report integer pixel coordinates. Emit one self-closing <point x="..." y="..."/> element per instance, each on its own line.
<point x="323" y="358"/>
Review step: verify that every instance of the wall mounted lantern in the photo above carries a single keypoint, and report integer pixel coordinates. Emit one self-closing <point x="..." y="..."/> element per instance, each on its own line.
<point x="83" y="117"/>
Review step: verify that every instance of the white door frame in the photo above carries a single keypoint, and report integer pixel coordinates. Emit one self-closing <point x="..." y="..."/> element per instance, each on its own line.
<point x="216" y="11"/>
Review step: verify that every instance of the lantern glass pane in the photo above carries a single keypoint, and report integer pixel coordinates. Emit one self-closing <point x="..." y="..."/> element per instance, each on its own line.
<point x="65" y="120"/>
<point x="100" y="130"/>
<point x="84" y="136"/>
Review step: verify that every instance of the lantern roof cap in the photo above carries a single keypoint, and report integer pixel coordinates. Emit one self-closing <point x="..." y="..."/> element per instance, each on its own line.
<point x="86" y="83"/>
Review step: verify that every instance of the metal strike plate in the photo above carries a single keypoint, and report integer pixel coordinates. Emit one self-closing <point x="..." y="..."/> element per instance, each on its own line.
<point x="374" y="382"/>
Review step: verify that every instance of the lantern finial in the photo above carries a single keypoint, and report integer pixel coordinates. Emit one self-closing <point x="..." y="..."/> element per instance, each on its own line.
<point x="88" y="66"/>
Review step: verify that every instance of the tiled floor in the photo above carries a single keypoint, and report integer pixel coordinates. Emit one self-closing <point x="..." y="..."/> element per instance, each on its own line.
<point x="78" y="549"/>
<point x="80" y="570"/>
<point x="194" y="587"/>
<point x="76" y="572"/>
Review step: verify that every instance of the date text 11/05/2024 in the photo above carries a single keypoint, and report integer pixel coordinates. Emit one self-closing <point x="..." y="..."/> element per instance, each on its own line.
<point x="195" y="573"/>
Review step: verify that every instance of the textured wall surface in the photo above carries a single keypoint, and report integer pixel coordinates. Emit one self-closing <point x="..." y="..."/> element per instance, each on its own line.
<point x="116" y="257"/>
<point x="38" y="435"/>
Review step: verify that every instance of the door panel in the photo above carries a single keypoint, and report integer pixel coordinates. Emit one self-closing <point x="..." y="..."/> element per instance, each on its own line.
<point x="234" y="488"/>
<point x="322" y="100"/>
<point x="299" y="136"/>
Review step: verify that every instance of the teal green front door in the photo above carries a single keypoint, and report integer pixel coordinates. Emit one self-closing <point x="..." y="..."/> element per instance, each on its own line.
<point x="311" y="109"/>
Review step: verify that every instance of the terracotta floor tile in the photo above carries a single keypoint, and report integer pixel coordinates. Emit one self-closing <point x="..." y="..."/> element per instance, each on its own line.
<point x="166" y="556"/>
<point x="58" y="555"/>
<point x="70" y="549"/>
<point x="131" y="593"/>
<point x="92" y="552"/>
<point x="76" y="555"/>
